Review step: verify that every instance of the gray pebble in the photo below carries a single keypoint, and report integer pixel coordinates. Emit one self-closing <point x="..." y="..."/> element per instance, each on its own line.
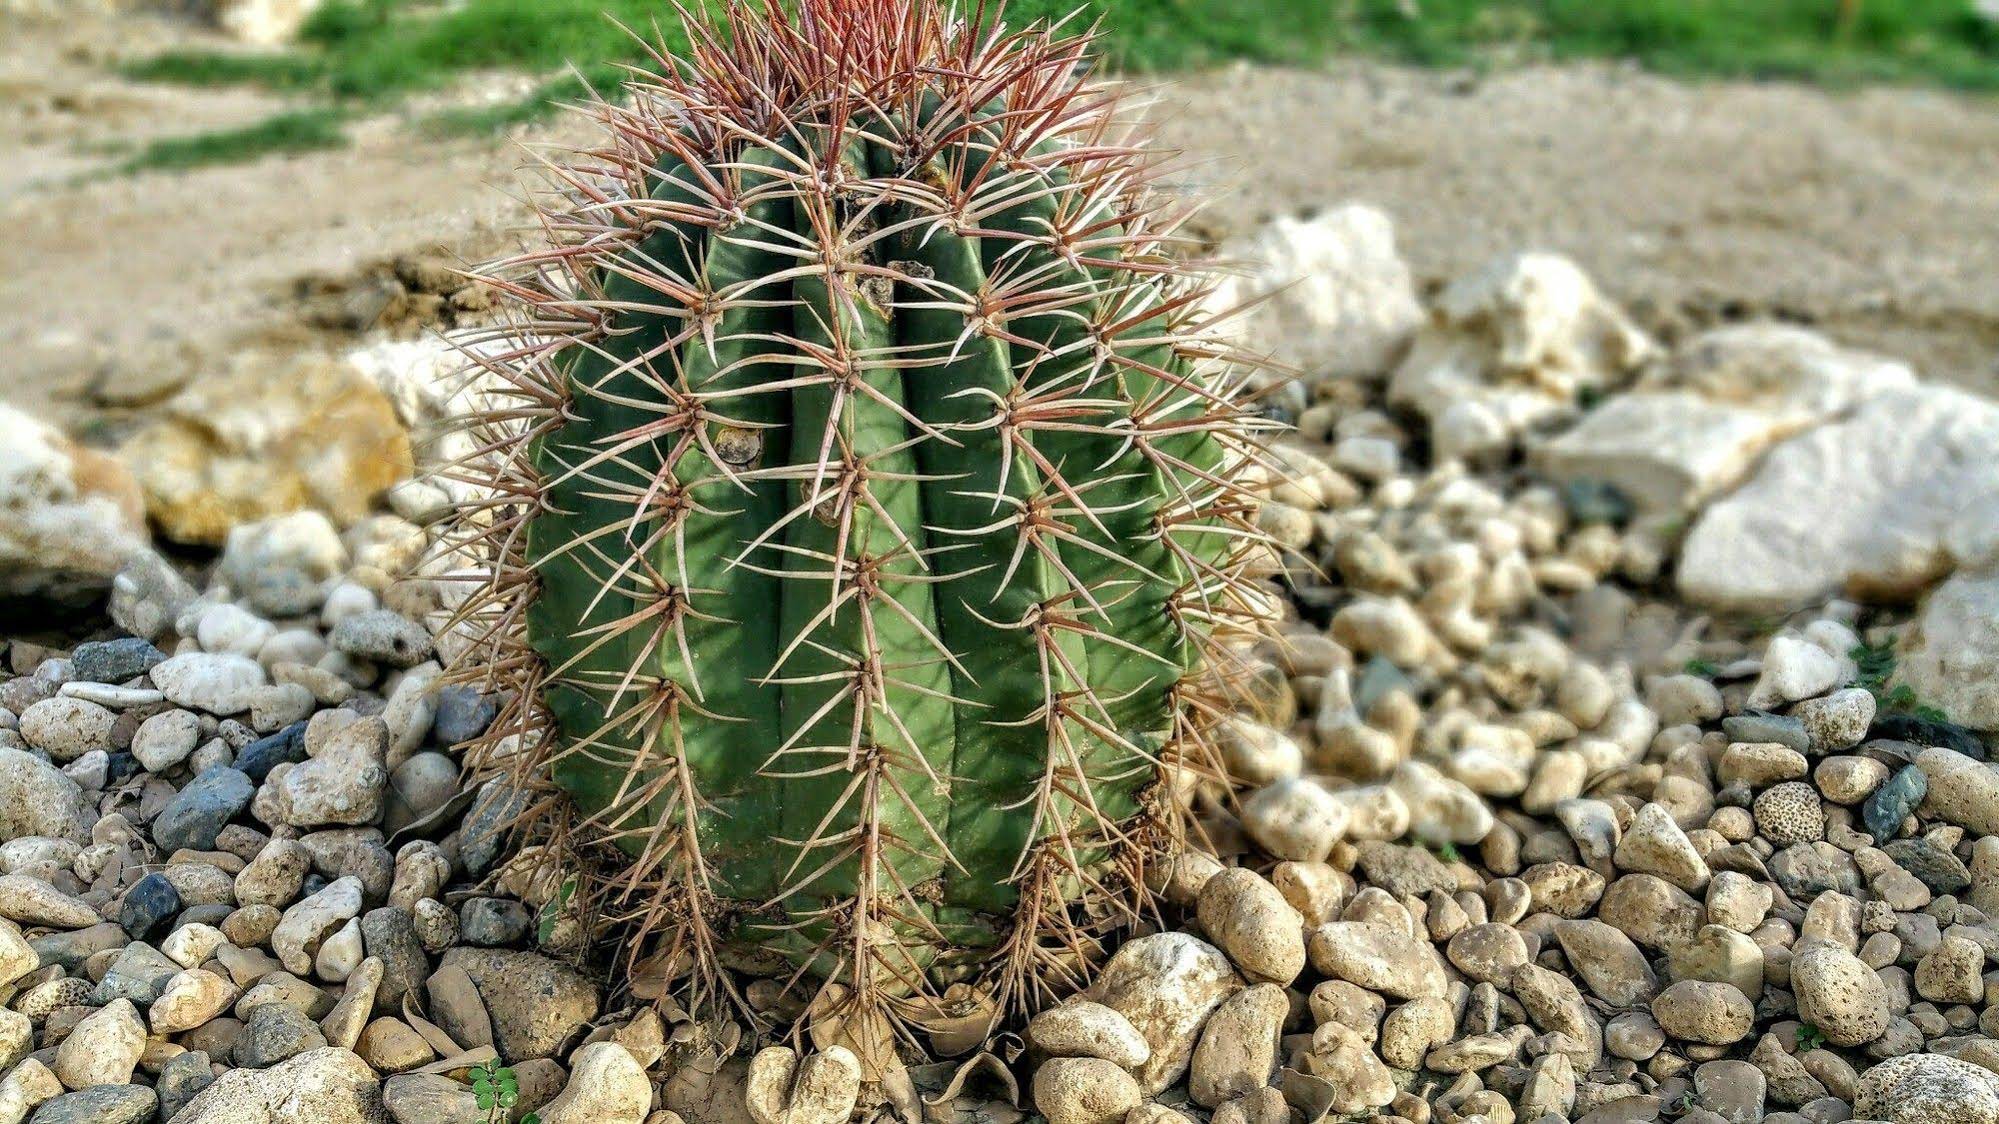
<point x="201" y="810"/>
<point x="494" y="922"/>
<point x="114" y="661"/>
<point x="1759" y="726"/>
<point x="99" y="1104"/>
<point x="273" y="1033"/>
<point x="382" y="636"/>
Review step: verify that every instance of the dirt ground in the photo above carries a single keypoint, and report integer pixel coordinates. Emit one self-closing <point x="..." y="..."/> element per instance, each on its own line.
<point x="1874" y="215"/>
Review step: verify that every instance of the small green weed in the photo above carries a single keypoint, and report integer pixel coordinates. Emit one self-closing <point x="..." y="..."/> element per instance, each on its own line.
<point x="497" y="1092"/>
<point x="1706" y="669"/>
<point x="1876" y="664"/>
<point x="1809" y="1037"/>
<point x="551" y="914"/>
<point x="1902" y="698"/>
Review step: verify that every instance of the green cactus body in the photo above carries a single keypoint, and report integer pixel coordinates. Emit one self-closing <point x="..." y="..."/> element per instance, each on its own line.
<point x="884" y="503"/>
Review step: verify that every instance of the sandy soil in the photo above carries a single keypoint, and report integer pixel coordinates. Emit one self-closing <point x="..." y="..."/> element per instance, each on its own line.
<point x="1874" y="215"/>
<point x="117" y="287"/>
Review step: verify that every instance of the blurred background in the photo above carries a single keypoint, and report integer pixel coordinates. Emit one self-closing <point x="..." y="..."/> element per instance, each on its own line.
<point x="182" y="176"/>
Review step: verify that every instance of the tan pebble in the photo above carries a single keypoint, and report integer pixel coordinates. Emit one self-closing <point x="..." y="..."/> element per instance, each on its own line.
<point x="820" y="1090"/>
<point x="1715" y="1014"/>
<point x="1238" y="1050"/>
<point x="1083" y="1091"/>
<point x="1082" y="1029"/>
<point x="1247" y="916"/>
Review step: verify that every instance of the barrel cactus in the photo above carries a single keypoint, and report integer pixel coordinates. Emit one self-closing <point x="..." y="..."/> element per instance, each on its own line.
<point x="864" y="516"/>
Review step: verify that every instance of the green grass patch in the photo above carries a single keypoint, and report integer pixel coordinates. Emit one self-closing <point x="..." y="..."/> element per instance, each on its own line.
<point x="1940" y="42"/>
<point x="542" y="103"/>
<point x="1874" y="665"/>
<point x="374" y="52"/>
<point x="214" y="68"/>
<point x="299" y="131"/>
<point x="371" y="49"/>
<point x="487" y="119"/>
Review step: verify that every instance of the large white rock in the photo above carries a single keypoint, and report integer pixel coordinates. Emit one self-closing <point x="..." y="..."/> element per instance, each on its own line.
<point x="1928" y="1089"/>
<point x="342" y="783"/>
<point x="26" y="1086"/>
<point x="1951" y="658"/>
<point x="1508" y="347"/>
<point x="298" y="935"/>
<point x="323" y="1086"/>
<point x="1839" y="994"/>
<point x="103" y="1049"/>
<point x="270" y="433"/>
<point x="70" y="517"/>
<point x="282" y="565"/>
<point x="606" y="1086"/>
<point x="218" y="684"/>
<point x="1333" y="296"/>
<point x="1166" y="985"/>
<point x="265" y="23"/>
<point x="434" y="384"/>
<point x="1441" y="809"/>
<point x="36" y="798"/>
<point x="1864" y="507"/>
<point x="17" y="956"/>
<point x="1961" y="790"/>
<point x="190" y="999"/>
<point x="1694" y="426"/>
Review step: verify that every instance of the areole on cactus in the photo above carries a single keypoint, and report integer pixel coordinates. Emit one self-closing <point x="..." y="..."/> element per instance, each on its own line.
<point x="865" y="532"/>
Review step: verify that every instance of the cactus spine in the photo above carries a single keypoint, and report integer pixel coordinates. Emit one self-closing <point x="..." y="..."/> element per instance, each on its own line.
<point x="863" y="526"/>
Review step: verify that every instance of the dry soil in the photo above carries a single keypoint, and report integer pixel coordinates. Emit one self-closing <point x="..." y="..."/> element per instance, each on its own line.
<point x="1872" y="214"/>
